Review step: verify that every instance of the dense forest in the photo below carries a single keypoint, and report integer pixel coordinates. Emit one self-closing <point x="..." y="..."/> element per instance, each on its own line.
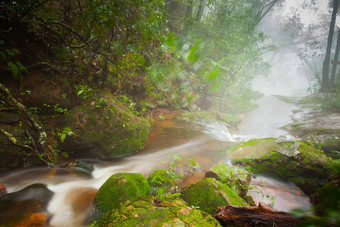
<point x="87" y="79"/>
<point x="174" y="54"/>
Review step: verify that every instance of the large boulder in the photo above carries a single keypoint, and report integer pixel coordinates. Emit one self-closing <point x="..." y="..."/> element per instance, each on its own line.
<point x="145" y="212"/>
<point x="105" y="126"/>
<point x="24" y="207"/>
<point x="295" y="161"/>
<point x="208" y="194"/>
<point x="119" y="189"/>
<point x="236" y="178"/>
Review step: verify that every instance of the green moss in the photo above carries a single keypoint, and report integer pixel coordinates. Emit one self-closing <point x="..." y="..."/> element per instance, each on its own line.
<point x="119" y="189"/>
<point x="235" y="177"/>
<point x="145" y="212"/>
<point x="307" y="165"/>
<point x="253" y="148"/>
<point x="209" y="194"/>
<point x="113" y="128"/>
<point x="314" y="99"/>
<point x="334" y="143"/>
<point x="323" y="131"/>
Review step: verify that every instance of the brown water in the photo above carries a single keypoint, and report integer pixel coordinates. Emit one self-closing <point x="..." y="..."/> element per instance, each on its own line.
<point x="203" y="141"/>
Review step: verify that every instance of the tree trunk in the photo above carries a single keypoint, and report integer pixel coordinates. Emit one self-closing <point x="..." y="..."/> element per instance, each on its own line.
<point x="325" y="69"/>
<point x="260" y="215"/>
<point x="336" y="57"/>
<point x="200" y="11"/>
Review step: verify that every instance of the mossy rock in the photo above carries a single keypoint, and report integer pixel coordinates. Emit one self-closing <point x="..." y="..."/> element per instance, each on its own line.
<point x="208" y="194"/>
<point x="299" y="162"/>
<point x="119" y="189"/>
<point x="105" y="126"/>
<point x="235" y="177"/>
<point x="144" y="212"/>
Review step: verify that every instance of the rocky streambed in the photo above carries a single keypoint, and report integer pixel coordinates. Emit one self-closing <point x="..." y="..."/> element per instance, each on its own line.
<point x="226" y="177"/>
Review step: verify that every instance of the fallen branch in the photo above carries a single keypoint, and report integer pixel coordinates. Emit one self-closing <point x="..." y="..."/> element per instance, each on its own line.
<point x="260" y="215"/>
<point x="13" y="140"/>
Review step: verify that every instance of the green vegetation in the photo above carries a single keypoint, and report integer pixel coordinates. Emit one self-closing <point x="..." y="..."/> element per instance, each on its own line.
<point x="297" y="162"/>
<point x="119" y="189"/>
<point x="236" y="178"/>
<point x="169" y="212"/>
<point x="209" y="194"/>
<point x="105" y="121"/>
<point x="174" y="54"/>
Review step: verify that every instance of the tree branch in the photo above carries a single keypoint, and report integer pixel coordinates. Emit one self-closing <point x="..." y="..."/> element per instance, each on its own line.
<point x="13" y="140"/>
<point x="42" y="136"/>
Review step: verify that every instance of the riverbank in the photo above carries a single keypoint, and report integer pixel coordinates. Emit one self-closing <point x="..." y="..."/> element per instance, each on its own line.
<point x="185" y="149"/>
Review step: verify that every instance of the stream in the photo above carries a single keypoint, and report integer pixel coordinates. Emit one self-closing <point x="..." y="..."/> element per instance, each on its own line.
<point x="201" y="141"/>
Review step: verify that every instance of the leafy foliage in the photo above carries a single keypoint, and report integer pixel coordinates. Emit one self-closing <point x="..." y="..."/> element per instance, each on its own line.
<point x="185" y="53"/>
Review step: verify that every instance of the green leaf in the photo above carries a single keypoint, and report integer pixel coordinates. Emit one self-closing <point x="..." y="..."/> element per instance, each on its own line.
<point x="15" y="70"/>
<point x="62" y="137"/>
<point x="21" y="67"/>
<point x="213" y="75"/>
<point x="80" y="92"/>
<point x="194" y="54"/>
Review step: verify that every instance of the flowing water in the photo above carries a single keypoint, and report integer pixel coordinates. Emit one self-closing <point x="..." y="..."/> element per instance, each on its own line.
<point x="201" y="141"/>
<point x="266" y="120"/>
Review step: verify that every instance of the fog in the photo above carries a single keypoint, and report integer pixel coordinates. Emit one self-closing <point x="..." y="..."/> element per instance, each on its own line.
<point x="288" y="75"/>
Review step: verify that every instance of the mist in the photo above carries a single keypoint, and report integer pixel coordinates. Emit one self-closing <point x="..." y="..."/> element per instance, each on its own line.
<point x="288" y="74"/>
<point x="100" y="100"/>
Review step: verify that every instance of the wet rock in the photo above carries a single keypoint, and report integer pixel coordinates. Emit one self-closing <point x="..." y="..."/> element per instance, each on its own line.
<point x="316" y="124"/>
<point x="144" y="212"/>
<point x="47" y="91"/>
<point x="313" y="123"/>
<point x="22" y="206"/>
<point x="3" y="190"/>
<point x="35" y="219"/>
<point x="81" y="166"/>
<point x="194" y="178"/>
<point x="119" y="189"/>
<point x="233" y="176"/>
<point x="298" y="162"/>
<point x="104" y="126"/>
<point x="208" y="194"/>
